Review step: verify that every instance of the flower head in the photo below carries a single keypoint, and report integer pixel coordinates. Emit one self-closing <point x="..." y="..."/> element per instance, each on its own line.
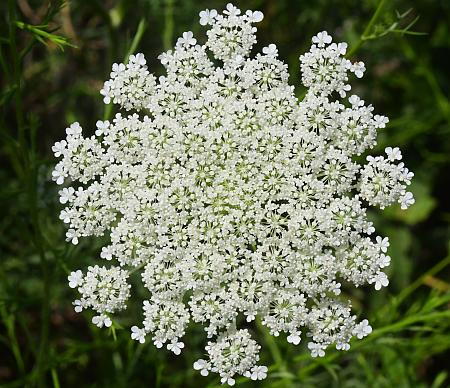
<point x="231" y="197"/>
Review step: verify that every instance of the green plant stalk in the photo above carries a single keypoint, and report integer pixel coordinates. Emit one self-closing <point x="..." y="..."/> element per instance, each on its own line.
<point x="168" y="25"/>
<point x="280" y="364"/>
<point x="392" y="328"/>
<point x="142" y="26"/>
<point x="29" y="182"/>
<point x="16" y="65"/>
<point x="441" y="99"/>
<point x="55" y="378"/>
<point x="368" y="28"/>
<point x="43" y="36"/>
<point x="419" y="281"/>
<point x="9" y="322"/>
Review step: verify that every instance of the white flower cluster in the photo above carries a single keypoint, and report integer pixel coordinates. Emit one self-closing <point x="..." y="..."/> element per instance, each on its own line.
<point x="102" y="289"/>
<point x="235" y="199"/>
<point x="233" y="353"/>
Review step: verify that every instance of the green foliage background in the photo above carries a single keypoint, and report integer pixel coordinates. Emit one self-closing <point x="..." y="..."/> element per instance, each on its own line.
<point x="44" y="88"/>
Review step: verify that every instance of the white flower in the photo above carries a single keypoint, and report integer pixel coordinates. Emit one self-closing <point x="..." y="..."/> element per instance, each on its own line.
<point x="75" y="279"/>
<point x="78" y="306"/>
<point x="380" y="121"/>
<point x="102" y="289"/>
<point x="294" y="338"/>
<point x="66" y="194"/>
<point x="164" y="58"/>
<point x="175" y="347"/>
<point x="254" y="16"/>
<point x="230" y="381"/>
<point x="118" y="68"/>
<point x="238" y="60"/>
<point x="407" y="200"/>
<point x="342" y="346"/>
<point x="58" y="174"/>
<point x="74" y="129"/>
<point x="384" y="261"/>
<point x="187" y="39"/>
<point x="230" y="196"/>
<point x="250" y="317"/>
<point x="382" y="182"/>
<point x="336" y="288"/>
<point x="102" y="127"/>
<point x="355" y="100"/>
<point x="130" y="85"/>
<point x="101" y="320"/>
<point x="258" y="372"/>
<point x="138" y="59"/>
<point x="106" y="93"/>
<point x="231" y="10"/>
<point x="72" y="236"/>
<point x="316" y="349"/>
<point x="59" y="148"/>
<point x="382" y="243"/>
<point x="138" y="334"/>
<point x="271" y="49"/>
<point x="106" y="253"/>
<point x="393" y="153"/>
<point x="342" y="48"/>
<point x="65" y="216"/>
<point x="358" y="68"/>
<point x="321" y="39"/>
<point x="203" y="366"/>
<point x="207" y="16"/>
<point x="362" y="329"/>
<point x="380" y="280"/>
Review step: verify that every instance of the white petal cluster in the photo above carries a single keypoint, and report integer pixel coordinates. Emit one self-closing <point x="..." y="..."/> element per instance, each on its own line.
<point x="104" y="290"/>
<point x="383" y="182"/>
<point x="232" y="354"/>
<point x="235" y="200"/>
<point x="130" y="85"/>
<point x="324" y="68"/>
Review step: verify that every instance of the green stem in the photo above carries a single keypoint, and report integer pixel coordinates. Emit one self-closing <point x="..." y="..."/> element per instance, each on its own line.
<point x="368" y="28"/>
<point x="55" y="378"/>
<point x="9" y="322"/>
<point x="419" y="281"/>
<point x="168" y="25"/>
<point x="137" y="38"/>
<point x="16" y="65"/>
<point x="29" y="182"/>
<point x="395" y="327"/>
<point x="424" y="70"/>
<point x="276" y="355"/>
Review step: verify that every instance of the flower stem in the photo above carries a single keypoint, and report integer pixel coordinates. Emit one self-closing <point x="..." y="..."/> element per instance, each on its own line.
<point x="368" y="28"/>
<point x="276" y="355"/>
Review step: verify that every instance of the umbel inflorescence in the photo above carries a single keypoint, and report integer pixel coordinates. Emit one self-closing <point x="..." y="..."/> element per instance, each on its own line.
<point x="234" y="199"/>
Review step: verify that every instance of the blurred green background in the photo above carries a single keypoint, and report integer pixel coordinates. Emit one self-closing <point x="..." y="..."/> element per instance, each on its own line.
<point x="406" y="47"/>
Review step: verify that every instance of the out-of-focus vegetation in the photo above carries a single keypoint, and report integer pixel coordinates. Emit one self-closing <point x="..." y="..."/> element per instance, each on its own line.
<point x="53" y="60"/>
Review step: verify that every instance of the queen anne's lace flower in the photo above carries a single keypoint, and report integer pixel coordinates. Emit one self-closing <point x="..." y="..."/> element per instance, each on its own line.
<point x="236" y="200"/>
